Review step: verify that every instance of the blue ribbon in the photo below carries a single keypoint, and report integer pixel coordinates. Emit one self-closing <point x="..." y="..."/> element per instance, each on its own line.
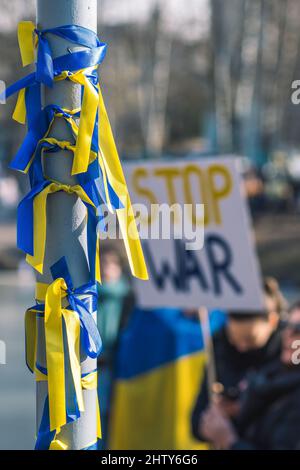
<point x="71" y="62"/>
<point x="36" y="131"/>
<point x="44" y="66"/>
<point x="74" y="33"/>
<point x="92" y="180"/>
<point x="91" y="342"/>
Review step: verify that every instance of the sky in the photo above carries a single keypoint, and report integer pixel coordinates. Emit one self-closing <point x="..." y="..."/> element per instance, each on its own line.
<point x="190" y="21"/>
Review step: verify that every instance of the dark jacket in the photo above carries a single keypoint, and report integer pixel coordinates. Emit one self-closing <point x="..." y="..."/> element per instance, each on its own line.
<point x="270" y="414"/>
<point x="232" y="367"/>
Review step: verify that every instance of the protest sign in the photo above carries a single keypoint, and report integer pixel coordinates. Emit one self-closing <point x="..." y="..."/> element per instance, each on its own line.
<point x="212" y="262"/>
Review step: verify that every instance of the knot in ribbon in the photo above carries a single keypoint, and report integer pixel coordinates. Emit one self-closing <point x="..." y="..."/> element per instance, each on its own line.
<point x="30" y="37"/>
<point x="80" y="328"/>
<point x="94" y="131"/>
<point x="32" y="218"/>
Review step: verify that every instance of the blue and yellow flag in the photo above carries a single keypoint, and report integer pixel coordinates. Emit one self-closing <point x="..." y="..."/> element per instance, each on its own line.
<point x="160" y="366"/>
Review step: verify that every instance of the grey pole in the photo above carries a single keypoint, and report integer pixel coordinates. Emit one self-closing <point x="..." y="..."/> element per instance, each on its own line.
<point x="66" y="214"/>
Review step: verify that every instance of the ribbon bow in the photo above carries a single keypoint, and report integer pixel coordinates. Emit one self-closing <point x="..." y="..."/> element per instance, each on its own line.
<point x="55" y="352"/>
<point x="40" y="128"/>
<point x="88" y="114"/>
<point x="32" y="220"/>
<point x="94" y="182"/>
<point x="91" y="338"/>
<point x="80" y="328"/>
<point x="80" y="68"/>
<point x="29" y="37"/>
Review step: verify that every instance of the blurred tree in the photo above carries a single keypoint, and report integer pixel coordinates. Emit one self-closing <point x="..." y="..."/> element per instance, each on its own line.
<point x="166" y="88"/>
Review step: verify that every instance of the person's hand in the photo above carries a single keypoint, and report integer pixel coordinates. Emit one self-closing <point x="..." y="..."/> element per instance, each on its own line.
<point x="228" y="407"/>
<point x="217" y="429"/>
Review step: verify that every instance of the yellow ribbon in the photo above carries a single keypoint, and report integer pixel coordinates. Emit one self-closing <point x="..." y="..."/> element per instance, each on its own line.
<point x="109" y="156"/>
<point x="40" y="222"/>
<point x="26" y="41"/>
<point x="89" y="104"/>
<point x="19" y="113"/>
<point x="87" y="118"/>
<point x="20" y="117"/>
<point x="55" y="352"/>
<point x="31" y="338"/>
<point x="55" y="355"/>
<point x="52" y="295"/>
<point x="26" y="46"/>
<point x="70" y="120"/>
<point x="56" y="444"/>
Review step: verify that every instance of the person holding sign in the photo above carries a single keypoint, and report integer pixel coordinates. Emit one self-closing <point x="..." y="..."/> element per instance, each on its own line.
<point x="246" y="343"/>
<point x="269" y="418"/>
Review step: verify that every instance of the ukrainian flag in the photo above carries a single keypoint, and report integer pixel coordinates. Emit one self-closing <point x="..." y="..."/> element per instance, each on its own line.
<point x="160" y="366"/>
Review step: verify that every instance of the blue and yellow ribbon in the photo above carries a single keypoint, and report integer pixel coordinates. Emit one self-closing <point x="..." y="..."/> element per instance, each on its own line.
<point x="77" y="68"/>
<point x="66" y="311"/>
<point x="32" y="220"/>
<point x="80" y="329"/>
<point x="110" y="157"/>
<point x="30" y="38"/>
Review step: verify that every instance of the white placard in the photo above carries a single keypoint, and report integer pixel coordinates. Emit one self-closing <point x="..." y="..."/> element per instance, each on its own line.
<point x="224" y="272"/>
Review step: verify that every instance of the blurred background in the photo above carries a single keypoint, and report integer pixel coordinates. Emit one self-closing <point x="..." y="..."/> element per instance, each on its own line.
<point x="180" y="79"/>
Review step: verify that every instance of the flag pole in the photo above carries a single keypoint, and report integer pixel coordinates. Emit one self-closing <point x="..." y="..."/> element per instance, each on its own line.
<point x="209" y="350"/>
<point x="66" y="214"/>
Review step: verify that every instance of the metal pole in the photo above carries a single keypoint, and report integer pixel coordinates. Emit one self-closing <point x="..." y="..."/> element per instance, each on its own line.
<point x="66" y="214"/>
